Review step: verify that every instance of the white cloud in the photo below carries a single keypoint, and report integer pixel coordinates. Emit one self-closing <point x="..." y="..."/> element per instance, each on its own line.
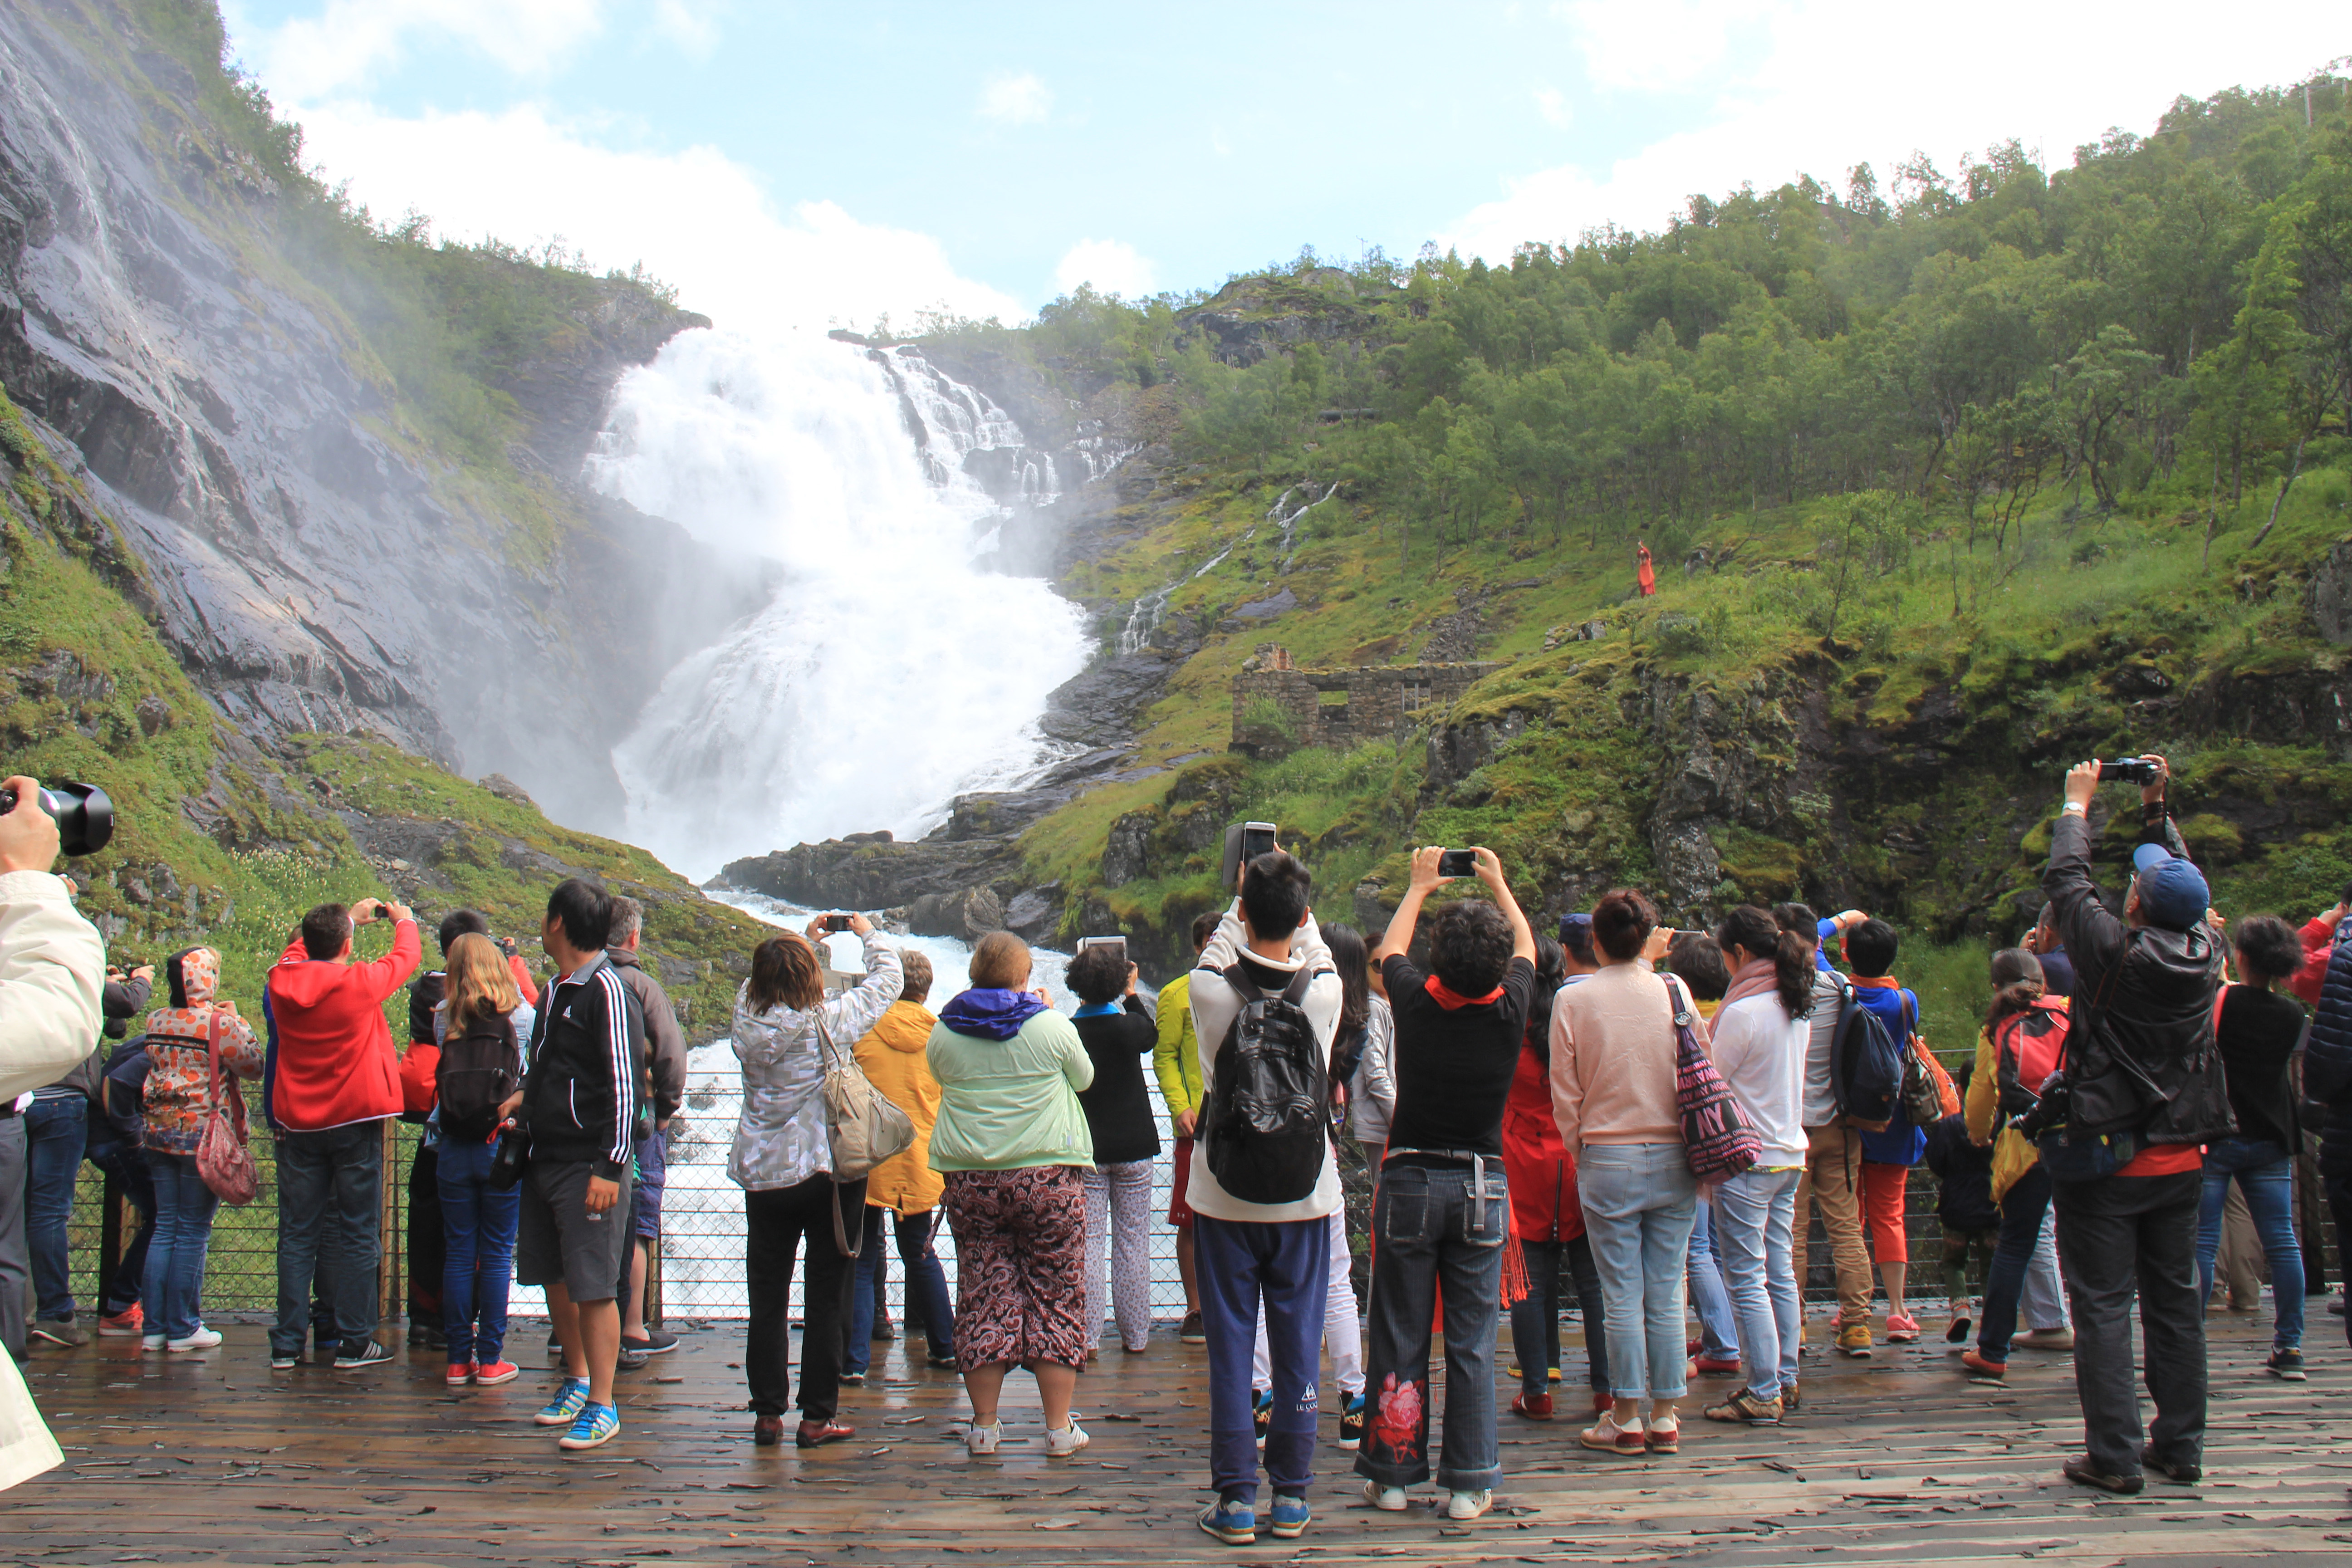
<point x="1837" y="82"/>
<point x="693" y="27"/>
<point x="1016" y="100"/>
<point x="1655" y="43"/>
<point x="350" y="40"/>
<point x="695" y="218"/>
<point x="1112" y="266"/>
<point x="1552" y="107"/>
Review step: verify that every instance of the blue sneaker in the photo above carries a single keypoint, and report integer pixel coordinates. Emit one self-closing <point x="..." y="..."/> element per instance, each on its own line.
<point x="568" y="1399"/>
<point x="596" y="1426"/>
<point x="1233" y="1522"/>
<point x="1290" y="1515"/>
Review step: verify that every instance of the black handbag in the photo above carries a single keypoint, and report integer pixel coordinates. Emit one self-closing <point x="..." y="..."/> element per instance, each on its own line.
<point x="513" y="1154"/>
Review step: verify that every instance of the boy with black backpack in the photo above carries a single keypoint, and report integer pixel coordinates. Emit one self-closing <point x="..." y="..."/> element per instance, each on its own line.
<point x="1265" y="1001"/>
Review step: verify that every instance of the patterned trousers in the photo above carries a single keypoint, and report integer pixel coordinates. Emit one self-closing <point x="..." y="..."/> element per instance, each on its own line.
<point x="1118" y="1210"/>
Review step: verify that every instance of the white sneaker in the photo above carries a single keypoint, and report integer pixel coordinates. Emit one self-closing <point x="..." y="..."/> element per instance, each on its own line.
<point x="1388" y="1500"/>
<point x="150" y="1341"/>
<point x="1063" y="1441"/>
<point x="981" y="1439"/>
<point x="203" y="1338"/>
<point x="1469" y="1505"/>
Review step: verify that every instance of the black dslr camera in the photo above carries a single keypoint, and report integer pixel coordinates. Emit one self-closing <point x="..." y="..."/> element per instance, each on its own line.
<point x="84" y="815"/>
<point x="2049" y="1112"/>
<point x="2128" y="770"/>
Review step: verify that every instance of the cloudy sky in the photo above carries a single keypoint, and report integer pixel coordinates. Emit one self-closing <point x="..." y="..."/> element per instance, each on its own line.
<point x="792" y="166"/>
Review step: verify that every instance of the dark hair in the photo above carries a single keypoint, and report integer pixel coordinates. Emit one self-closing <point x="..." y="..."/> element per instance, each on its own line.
<point x="1098" y="975"/>
<point x="585" y="910"/>
<point x="1799" y="921"/>
<point x="1870" y="948"/>
<point x="785" y="972"/>
<point x="2346" y="896"/>
<point x="1552" y="974"/>
<point x="1755" y="932"/>
<point x="1273" y="895"/>
<point x="1621" y="921"/>
<point x="1697" y="959"/>
<point x="2268" y="949"/>
<point x="2017" y="985"/>
<point x="1353" y="961"/>
<point x="1470" y="946"/>
<point x="461" y="922"/>
<point x="1961" y="1074"/>
<point x="325" y="930"/>
<point x="1204" y="926"/>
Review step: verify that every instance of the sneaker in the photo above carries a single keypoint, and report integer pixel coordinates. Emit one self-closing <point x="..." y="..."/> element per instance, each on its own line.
<point x="203" y="1338"/>
<point x="1388" y="1500"/>
<point x="428" y="1336"/>
<point x="2286" y="1364"/>
<point x="1957" y="1330"/>
<point x="360" y="1354"/>
<point x="1291" y="1517"/>
<point x="1606" y="1437"/>
<point x="569" y="1401"/>
<point x="1716" y="1366"/>
<point x="2179" y="1475"/>
<point x="1853" y="1339"/>
<point x="766" y="1431"/>
<point x="59" y="1331"/>
<point x="1351" y="1426"/>
<point x="2083" y="1473"/>
<point x="1902" y="1328"/>
<point x="595" y="1426"/>
<point x="1663" y="1439"/>
<point x="979" y="1439"/>
<point x="1789" y="1398"/>
<point x="1470" y="1505"/>
<point x="853" y="1380"/>
<point x="150" y="1341"/>
<point x="1261" y="1414"/>
<point x="1983" y="1371"/>
<point x="817" y="1434"/>
<point x="1061" y="1442"/>
<point x="1533" y="1406"/>
<point x="1749" y="1406"/>
<point x="942" y="1363"/>
<point x="2046" y="1340"/>
<point x="1231" y="1520"/>
<point x="490" y="1373"/>
<point x="656" y="1343"/>
<point x="1192" y="1331"/>
<point x="128" y="1324"/>
<point x="459" y="1375"/>
<point x="285" y="1361"/>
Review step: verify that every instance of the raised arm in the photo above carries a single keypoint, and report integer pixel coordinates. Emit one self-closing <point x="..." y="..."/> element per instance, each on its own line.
<point x="1490" y="871"/>
<point x="1398" y="939"/>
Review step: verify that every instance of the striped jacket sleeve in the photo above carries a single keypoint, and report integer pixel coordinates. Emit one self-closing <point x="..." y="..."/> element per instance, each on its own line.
<point x="624" y="1045"/>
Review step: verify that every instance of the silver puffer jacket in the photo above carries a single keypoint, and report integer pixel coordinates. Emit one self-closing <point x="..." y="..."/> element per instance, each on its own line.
<point x="780" y="1138"/>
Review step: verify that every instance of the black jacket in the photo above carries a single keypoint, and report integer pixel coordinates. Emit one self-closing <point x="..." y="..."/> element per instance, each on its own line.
<point x="2140" y="1054"/>
<point x="580" y="1090"/>
<point x="1118" y="1105"/>
<point x="1963" y="1178"/>
<point x="2328" y="1059"/>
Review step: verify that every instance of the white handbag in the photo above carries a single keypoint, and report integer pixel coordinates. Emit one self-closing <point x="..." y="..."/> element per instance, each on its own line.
<point x="861" y="1126"/>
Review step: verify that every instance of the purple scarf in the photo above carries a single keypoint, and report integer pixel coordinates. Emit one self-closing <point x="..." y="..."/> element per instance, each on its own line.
<point x="990" y="1012"/>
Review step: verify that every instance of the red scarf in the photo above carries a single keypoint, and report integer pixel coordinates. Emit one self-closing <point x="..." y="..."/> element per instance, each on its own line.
<point x="1453" y="1001"/>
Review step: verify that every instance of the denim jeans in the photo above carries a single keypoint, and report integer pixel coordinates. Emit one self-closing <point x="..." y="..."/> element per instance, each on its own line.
<point x="2043" y="1303"/>
<point x="329" y="1186"/>
<point x="56" y="1132"/>
<point x="927" y="1286"/>
<point x="1431" y="1231"/>
<point x="174" y="1288"/>
<point x="1535" y="1317"/>
<point x="127" y="1163"/>
<point x="2119" y="1233"/>
<point x="2021" y="1211"/>
<point x="1639" y="1200"/>
<point x="2265" y="1173"/>
<point x="1755" y="1219"/>
<point x="477" y="1228"/>
<point x="1718" y="1326"/>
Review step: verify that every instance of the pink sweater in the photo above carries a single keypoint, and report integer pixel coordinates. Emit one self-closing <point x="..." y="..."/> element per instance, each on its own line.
<point x="1612" y="1059"/>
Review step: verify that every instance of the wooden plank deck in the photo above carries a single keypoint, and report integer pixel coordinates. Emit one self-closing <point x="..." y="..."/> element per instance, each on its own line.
<point x="1895" y="1460"/>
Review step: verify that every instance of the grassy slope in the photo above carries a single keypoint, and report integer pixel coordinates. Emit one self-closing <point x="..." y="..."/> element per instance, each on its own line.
<point x="2029" y="660"/>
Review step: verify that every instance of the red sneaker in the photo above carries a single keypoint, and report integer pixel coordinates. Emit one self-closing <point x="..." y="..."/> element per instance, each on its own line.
<point x="1716" y="1366"/>
<point x="495" y="1373"/>
<point x="1901" y="1328"/>
<point x="130" y="1323"/>
<point x="1535" y="1408"/>
<point x="1983" y="1371"/>
<point x="459" y="1375"/>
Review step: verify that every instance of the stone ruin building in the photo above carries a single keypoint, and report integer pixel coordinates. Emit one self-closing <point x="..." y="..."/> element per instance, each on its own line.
<point x="1279" y="707"/>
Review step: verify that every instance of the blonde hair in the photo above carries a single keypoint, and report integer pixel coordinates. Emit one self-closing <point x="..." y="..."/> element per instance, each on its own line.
<point x="1001" y="962"/>
<point x="480" y="987"/>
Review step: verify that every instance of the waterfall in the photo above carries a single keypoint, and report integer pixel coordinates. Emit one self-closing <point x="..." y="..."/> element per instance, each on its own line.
<point x="889" y="674"/>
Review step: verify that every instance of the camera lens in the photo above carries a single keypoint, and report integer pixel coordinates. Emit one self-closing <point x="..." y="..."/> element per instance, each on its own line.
<point x="84" y="815"/>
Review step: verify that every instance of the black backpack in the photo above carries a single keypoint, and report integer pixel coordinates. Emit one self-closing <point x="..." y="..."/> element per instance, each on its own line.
<point x="1265" y="1127"/>
<point x="480" y="1069"/>
<point x="1867" y="1064"/>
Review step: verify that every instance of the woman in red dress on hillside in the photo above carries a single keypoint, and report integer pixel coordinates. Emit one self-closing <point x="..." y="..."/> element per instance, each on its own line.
<point x="1645" y="577"/>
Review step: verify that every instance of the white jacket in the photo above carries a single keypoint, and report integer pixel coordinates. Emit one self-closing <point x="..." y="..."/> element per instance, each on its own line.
<point x="52" y="972"/>
<point x="780" y="1139"/>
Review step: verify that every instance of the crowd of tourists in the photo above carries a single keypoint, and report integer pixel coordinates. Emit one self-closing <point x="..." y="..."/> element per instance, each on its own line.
<point x="1636" y="1121"/>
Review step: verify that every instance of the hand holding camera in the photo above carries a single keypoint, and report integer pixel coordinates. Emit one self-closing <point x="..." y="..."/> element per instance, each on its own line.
<point x="29" y="836"/>
<point x="78" y="817"/>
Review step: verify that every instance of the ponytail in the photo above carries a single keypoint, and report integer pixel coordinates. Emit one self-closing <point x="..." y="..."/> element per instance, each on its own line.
<point x="2017" y="985"/>
<point x="1755" y="932"/>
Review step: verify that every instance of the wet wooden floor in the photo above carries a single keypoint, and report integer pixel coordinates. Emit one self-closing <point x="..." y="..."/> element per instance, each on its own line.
<point x="1896" y="1459"/>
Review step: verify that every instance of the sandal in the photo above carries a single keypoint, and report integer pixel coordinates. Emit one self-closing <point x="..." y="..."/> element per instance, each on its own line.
<point x="1746" y="1408"/>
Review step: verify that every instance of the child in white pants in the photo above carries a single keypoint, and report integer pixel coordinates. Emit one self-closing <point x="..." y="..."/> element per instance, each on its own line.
<point x="1343" y="1335"/>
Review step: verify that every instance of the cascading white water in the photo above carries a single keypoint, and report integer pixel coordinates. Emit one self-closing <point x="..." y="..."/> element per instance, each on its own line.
<point x="889" y="674"/>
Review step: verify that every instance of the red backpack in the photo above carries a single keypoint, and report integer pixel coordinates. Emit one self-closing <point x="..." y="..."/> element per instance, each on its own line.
<point x="2028" y="1048"/>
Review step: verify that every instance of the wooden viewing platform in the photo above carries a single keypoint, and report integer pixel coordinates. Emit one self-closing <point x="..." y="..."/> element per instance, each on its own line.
<point x="1895" y="1460"/>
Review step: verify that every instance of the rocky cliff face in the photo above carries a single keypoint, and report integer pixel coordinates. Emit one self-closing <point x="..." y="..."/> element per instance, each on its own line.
<point x="314" y="563"/>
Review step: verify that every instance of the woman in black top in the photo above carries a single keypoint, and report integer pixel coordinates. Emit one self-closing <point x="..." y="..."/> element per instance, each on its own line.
<point x="1118" y="1035"/>
<point x="2259" y="1027"/>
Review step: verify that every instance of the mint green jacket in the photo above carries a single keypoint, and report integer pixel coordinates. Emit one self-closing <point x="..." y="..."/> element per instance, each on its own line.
<point x="1007" y="1104"/>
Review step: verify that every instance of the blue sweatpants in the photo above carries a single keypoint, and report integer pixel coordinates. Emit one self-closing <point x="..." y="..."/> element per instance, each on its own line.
<point x="1286" y="1264"/>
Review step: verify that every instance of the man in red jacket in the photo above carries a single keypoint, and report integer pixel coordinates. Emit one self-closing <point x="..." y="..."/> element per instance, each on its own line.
<point x="334" y="1080"/>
